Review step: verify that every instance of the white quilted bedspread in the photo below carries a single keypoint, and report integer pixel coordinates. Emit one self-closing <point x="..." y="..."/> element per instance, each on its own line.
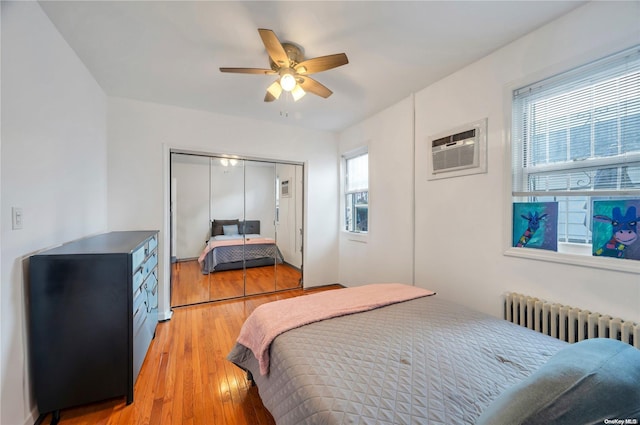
<point x="425" y="361"/>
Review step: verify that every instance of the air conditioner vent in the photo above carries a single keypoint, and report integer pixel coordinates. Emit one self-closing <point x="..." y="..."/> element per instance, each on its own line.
<point x="460" y="151"/>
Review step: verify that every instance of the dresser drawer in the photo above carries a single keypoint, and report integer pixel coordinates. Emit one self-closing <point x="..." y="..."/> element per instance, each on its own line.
<point x="151" y="288"/>
<point x="149" y="265"/>
<point x="139" y="319"/>
<point x="138" y="277"/>
<point x="139" y="296"/>
<point x="138" y="257"/>
<point x="151" y="284"/>
<point x="153" y="243"/>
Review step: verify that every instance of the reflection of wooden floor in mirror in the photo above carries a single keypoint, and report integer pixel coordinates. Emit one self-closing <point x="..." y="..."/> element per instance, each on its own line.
<point x="190" y="286"/>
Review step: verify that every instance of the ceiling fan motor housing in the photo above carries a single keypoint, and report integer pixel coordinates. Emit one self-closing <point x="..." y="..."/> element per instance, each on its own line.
<point x="294" y="53"/>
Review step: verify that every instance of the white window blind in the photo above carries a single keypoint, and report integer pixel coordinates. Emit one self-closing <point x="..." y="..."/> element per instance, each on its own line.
<point x="576" y="136"/>
<point x="358" y="173"/>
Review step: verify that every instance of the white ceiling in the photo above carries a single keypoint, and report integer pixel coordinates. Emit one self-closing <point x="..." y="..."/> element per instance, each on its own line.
<point x="169" y="51"/>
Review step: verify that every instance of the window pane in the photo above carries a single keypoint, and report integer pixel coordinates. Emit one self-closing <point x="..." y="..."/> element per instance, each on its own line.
<point x="630" y="126"/>
<point x="349" y="210"/>
<point x="580" y="142"/>
<point x="362" y="218"/>
<point x="357" y="212"/>
<point x="573" y="212"/>
<point x="357" y="173"/>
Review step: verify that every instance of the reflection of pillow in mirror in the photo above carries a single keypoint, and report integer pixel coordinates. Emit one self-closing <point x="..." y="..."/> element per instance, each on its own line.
<point x="231" y="229"/>
<point x="216" y="227"/>
<point x="586" y="383"/>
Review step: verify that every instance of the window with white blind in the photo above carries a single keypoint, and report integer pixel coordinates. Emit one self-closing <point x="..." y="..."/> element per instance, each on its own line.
<point x="356" y="192"/>
<point x="576" y="139"/>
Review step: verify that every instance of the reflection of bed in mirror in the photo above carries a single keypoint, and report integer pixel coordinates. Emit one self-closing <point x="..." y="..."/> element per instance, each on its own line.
<point x="236" y="244"/>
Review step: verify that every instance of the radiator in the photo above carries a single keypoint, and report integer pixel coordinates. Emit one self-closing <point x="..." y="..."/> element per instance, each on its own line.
<point x="567" y="323"/>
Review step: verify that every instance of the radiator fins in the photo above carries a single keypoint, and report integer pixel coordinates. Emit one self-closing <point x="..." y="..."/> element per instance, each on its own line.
<point x="567" y="323"/>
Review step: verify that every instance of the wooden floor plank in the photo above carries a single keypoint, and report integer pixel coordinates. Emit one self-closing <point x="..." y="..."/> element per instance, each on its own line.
<point x="185" y="378"/>
<point x="189" y="286"/>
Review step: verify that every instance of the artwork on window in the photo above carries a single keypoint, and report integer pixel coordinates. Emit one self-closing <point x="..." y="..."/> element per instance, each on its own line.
<point x="535" y="225"/>
<point x="615" y="229"/>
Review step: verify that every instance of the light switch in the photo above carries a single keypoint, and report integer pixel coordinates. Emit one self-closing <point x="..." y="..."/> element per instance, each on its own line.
<point x="16" y="218"/>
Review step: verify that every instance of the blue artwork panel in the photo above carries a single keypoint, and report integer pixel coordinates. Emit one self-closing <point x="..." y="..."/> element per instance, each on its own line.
<point x="535" y="225"/>
<point x="615" y="229"/>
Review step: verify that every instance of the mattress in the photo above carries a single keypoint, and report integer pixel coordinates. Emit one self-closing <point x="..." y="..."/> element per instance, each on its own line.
<point x="424" y="361"/>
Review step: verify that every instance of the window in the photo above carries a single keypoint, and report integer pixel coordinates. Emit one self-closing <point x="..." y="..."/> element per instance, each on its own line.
<point x="576" y="139"/>
<point x="356" y="192"/>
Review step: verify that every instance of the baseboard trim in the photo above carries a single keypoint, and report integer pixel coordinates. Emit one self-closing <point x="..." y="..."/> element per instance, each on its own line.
<point x="164" y="315"/>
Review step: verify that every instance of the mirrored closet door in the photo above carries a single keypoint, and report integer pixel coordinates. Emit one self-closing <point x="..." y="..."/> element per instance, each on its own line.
<point x="236" y="227"/>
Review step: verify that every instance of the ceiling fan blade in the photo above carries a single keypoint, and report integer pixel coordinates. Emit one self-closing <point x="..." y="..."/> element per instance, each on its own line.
<point x="274" y="47"/>
<point x="249" y="71"/>
<point x="322" y="63"/>
<point x="312" y="86"/>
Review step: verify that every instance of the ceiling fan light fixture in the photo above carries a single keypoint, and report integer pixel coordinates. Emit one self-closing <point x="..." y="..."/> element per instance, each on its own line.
<point x="287" y="80"/>
<point x="297" y="93"/>
<point x="275" y="89"/>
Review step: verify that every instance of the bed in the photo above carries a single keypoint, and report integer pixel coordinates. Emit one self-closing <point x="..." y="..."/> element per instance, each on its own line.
<point x="422" y="360"/>
<point x="236" y="244"/>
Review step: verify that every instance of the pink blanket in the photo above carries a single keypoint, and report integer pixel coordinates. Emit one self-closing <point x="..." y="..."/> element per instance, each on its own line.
<point x="230" y="242"/>
<point x="270" y="320"/>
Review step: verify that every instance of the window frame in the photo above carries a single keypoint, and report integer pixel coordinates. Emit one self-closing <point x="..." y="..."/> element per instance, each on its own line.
<point x="579" y="254"/>
<point x="345" y="157"/>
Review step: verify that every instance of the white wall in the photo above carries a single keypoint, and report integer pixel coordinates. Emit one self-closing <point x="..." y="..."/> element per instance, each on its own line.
<point x="53" y="166"/>
<point x="139" y="135"/>
<point x="385" y="254"/>
<point x="462" y="223"/>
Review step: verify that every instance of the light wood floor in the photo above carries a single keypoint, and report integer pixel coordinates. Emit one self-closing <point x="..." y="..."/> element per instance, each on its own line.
<point x="190" y="286"/>
<point x="185" y="378"/>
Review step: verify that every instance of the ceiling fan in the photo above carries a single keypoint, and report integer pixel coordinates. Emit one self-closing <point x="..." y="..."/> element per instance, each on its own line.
<point x="287" y="61"/>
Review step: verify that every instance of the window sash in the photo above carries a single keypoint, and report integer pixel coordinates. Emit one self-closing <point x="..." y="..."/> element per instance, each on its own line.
<point x="583" y="121"/>
<point x="357" y="212"/>
<point x="357" y="173"/>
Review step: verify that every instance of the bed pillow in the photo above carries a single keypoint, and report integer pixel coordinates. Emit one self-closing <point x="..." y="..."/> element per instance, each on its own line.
<point x="217" y="226"/>
<point x="250" y="227"/>
<point x="230" y="229"/>
<point x="585" y="383"/>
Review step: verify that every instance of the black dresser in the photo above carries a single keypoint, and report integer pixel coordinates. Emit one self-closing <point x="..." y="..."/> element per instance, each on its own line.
<point x="93" y="311"/>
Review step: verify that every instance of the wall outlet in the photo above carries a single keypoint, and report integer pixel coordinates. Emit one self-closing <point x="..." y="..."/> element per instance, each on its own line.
<point x="16" y="218"/>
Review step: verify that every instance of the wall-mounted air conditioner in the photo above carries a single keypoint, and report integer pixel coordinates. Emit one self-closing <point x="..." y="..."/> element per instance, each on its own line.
<point x="458" y="152"/>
